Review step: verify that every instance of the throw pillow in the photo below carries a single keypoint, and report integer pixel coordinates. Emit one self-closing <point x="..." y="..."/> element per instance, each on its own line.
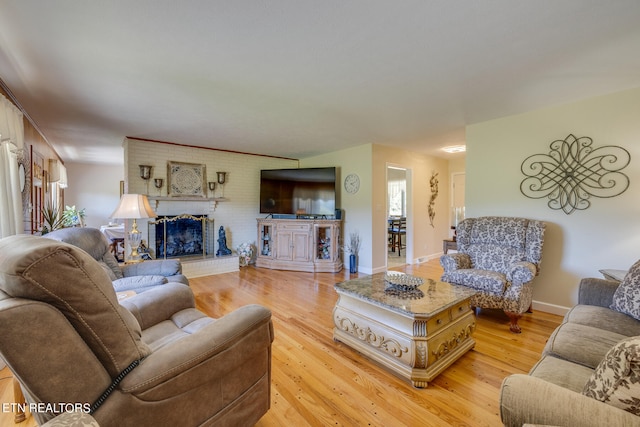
<point x="616" y="380"/>
<point x="626" y="299"/>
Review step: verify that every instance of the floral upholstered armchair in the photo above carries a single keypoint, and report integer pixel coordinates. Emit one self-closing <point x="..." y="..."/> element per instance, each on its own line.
<point x="499" y="257"/>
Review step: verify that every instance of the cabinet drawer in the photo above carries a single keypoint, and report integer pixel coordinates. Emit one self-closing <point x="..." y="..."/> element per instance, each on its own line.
<point x="438" y="322"/>
<point x="293" y="227"/>
<point x="457" y="334"/>
<point x="460" y="310"/>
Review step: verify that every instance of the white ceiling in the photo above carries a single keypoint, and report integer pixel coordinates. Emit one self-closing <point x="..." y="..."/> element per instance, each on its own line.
<point x="296" y="78"/>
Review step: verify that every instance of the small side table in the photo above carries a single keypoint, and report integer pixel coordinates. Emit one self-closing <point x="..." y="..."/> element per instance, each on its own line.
<point x="616" y="275"/>
<point x="448" y="245"/>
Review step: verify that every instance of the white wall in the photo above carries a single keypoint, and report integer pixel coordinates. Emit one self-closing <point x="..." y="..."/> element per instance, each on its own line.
<point x="95" y="188"/>
<point x="356" y="207"/>
<point x="606" y="235"/>
<point x="424" y="241"/>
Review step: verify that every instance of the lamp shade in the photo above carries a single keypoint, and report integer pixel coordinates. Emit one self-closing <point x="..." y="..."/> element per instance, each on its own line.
<point x="63" y="183"/>
<point x="133" y="206"/>
<point x="58" y="173"/>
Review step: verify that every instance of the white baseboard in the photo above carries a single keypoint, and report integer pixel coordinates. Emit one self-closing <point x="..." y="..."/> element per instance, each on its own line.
<point x="427" y="258"/>
<point x="550" y="308"/>
<point x="199" y="267"/>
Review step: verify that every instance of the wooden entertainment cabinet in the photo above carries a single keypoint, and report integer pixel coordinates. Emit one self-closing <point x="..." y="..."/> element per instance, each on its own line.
<point x="299" y="244"/>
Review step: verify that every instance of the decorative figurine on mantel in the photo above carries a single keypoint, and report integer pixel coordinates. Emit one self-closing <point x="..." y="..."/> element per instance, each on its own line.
<point x="222" y="243"/>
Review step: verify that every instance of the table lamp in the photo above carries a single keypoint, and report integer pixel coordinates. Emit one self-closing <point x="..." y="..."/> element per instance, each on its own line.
<point x="134" y="206"/>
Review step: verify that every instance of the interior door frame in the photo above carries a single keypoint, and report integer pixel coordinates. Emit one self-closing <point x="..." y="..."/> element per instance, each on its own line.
<point x="409" y="207"/>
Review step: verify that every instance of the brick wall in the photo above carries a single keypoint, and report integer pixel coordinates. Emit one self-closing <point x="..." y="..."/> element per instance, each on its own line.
<point x="242" y="190"/>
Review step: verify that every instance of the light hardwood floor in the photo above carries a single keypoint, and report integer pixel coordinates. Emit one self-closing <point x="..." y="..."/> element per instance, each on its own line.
<point x="318" y="382"/>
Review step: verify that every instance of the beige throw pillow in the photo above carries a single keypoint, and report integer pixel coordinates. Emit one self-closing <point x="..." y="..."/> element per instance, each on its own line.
<point x="616" y="380"/>
<point x="626" y="299"/>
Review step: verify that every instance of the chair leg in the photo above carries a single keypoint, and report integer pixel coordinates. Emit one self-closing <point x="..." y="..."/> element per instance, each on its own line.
<point x="514" y="317"/>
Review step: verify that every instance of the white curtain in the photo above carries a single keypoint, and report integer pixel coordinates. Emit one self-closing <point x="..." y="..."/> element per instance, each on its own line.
<point x="11" y="123"/>
<point x="11" y="140"/>
<point x="10" y="195"/>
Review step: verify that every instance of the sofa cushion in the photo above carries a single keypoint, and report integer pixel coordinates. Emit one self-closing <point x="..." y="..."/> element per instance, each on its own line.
<point x="487" y="281"/>
<point x="562" y="373"/>
<point x="626" y="299"/>
<point x="616" y="380"/>
<point x="581" y="344"/>
<point x="603" y="318"/>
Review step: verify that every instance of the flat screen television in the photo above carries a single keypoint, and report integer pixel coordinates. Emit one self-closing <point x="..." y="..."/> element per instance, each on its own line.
<point x="303" y="192"/>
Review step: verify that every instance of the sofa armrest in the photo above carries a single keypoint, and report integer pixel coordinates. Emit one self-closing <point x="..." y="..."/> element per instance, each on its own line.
<point x="159" y="304"/>
<point x="160" y="267"/>
<point x="231" y="342"/>
<point x="525" y="399"/>
<point x="598" y="292"/>
<point x="456" y="261"/>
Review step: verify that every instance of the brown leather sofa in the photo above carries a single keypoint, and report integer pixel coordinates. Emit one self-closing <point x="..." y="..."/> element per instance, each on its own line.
<point x="68" y="340"/>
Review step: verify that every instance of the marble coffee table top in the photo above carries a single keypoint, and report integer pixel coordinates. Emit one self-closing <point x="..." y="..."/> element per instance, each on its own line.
<point x="426" y="300"/>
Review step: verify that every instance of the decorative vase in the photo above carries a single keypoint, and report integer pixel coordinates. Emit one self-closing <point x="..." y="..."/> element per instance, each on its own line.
<point x="353" y="263"/>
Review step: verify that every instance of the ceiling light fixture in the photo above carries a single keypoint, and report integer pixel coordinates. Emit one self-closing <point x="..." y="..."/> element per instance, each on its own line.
<point x="455" y="149"/>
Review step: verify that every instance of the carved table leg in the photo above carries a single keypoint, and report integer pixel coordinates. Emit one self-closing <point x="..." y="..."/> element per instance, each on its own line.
<point x="18" y="398"/>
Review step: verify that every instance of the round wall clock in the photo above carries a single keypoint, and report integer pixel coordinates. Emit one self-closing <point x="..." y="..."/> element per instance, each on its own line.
<point x="352" y="183"/>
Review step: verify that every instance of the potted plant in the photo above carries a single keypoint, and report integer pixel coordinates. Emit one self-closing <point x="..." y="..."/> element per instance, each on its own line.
<point x="73" y="217"/>
<point x="52" y="219"/>
<point x="245" y="253"/>
<point x="353" y="247"/>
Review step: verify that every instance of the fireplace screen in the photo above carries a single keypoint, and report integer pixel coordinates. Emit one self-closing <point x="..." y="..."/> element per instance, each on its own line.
<point x="181" y="236"/>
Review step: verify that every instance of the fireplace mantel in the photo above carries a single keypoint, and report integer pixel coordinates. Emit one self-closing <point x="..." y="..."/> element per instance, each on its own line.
<point x="213" y="200"/>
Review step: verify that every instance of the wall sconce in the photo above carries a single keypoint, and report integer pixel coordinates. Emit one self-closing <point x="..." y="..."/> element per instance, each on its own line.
<point x="145" y="173"/>
<point x="222" y="178"/>
<point x="158" y="183"/>
<point x="212" y="187"/>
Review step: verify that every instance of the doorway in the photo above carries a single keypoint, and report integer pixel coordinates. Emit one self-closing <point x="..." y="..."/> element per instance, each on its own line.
<point x="457" y="199"/>
<point x="398" y="215"/>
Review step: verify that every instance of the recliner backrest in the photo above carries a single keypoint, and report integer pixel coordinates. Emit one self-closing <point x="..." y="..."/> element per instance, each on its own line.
<point x="93" y="242"/>
<point x="70" y="280"/>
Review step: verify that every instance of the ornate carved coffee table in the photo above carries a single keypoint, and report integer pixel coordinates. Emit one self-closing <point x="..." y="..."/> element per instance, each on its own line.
<point x="417" y="332"/>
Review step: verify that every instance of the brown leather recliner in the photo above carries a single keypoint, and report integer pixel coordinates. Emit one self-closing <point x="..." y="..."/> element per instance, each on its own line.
<point x="68" y="341"/>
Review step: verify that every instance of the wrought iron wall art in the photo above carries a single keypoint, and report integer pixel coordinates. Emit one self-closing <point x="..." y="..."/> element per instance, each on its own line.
<point x="573" y="172"/>
<point x="433" y="183"/>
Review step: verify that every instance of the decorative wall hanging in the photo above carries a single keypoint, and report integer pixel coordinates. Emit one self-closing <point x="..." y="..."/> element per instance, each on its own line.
<point x="433" y="183"/>
<point x="24" y="175"/>
<point x="186" y="179"/>
<point x="573" y="172"/>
